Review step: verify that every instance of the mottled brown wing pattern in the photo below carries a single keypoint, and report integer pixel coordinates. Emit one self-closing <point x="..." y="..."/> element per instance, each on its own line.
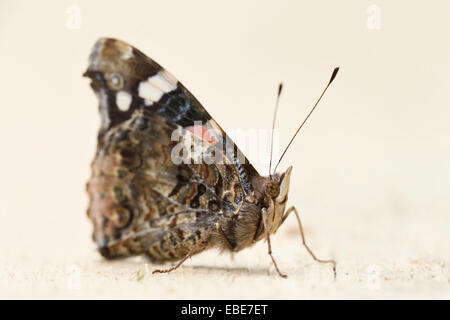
<point x="140" y="200"/>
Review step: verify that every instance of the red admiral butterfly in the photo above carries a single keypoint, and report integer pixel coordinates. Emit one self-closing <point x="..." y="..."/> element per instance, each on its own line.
<point x="143" y="197"/>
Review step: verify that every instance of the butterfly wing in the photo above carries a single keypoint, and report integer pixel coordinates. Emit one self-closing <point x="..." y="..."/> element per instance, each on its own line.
<point x="144" y="196"/>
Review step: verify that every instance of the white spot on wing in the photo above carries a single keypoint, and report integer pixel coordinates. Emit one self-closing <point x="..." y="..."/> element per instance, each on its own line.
<point x="123" y="100"/>
<point x="152" y="89"/>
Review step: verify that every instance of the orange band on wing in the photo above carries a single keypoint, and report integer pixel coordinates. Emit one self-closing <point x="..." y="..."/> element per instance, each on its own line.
<point x="204" y="133"/>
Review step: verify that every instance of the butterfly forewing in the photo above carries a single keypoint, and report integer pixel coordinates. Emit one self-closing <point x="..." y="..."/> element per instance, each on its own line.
<point x="141" y="200"/>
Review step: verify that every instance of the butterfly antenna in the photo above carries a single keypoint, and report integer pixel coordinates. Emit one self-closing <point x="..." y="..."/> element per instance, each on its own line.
<point x="335" y="71"/>
<point x="280" y="88"/>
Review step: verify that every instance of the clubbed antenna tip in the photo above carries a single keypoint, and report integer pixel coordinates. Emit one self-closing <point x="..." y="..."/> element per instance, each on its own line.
<point x="335" y="71"/>
<point x="280" y="88"/>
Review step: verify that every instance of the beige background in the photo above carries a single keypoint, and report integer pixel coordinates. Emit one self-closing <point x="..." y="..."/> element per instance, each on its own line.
<point x="371" y="169"/>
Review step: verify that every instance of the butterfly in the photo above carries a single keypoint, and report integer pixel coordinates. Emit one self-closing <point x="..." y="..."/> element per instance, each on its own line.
<point x="146" y="199"/>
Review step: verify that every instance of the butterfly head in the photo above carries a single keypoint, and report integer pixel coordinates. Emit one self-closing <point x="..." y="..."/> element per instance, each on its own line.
<point x="276" y="188"/>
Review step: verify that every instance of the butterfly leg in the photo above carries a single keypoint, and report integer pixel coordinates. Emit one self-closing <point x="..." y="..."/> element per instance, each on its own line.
<point x="293" y="209"/>
<point x="265" y="217"/>
<point x="189" y="255"/>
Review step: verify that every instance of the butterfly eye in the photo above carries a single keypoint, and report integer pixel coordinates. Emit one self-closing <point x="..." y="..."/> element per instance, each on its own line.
<point x="271" y="188"/>
<point x="116" y="82"/>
